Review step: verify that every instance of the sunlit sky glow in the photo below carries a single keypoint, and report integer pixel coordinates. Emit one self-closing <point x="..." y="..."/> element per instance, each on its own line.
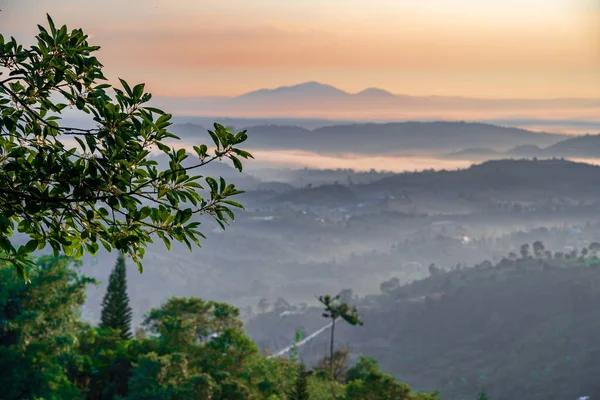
<point x="478" y="48"/>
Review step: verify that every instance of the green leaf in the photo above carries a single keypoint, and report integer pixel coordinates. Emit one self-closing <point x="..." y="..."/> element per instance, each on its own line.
<point x="126" y="87"/>
<point x="51" y="23"/>
<point x="215" y="139"/>
<point x="31" y="246"/>
<point x="233" y="203"/>
<point x="214" y="187"/>
<point x="237" y="163"/>
<point x="138" y="90"/>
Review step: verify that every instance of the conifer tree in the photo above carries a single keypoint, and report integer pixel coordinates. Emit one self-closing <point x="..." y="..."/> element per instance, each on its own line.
<point x="300" y="390"/>
<point x="116" y="313"/>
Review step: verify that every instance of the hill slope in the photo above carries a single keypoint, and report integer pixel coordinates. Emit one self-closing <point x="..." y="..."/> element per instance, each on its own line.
<point x="521" y="329"/>
<point x="586" y="146"/>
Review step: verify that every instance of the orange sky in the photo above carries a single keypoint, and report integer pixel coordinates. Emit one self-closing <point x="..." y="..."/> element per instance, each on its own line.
<point x="477" y="48"/>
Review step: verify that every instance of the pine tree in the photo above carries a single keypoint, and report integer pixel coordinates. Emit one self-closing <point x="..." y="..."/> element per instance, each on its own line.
<point x="300" y="390"/>
<point x="116" y="313"/>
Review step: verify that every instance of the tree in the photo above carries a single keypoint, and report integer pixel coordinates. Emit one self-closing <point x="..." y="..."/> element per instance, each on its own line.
<point x="104" y="189"/>
<point x="525" y="251"/>
<point x="281" y="305"/>
<point x="263" y="305"/>
<point x="594" y="249"/>
<point x="168" y="377"/>
<point x="335" y="309"/>
<point x="182" y="322"/>
<point x="300" y="390"/>
<point x="538" y="249"/>
<point x="434" y="271"/>
<point x="367" y="382"/>
<point x="390" y="286"/>
<point x="341" y="358"/>
<point x="39" y="328"/>
<point x="116" y="313"/>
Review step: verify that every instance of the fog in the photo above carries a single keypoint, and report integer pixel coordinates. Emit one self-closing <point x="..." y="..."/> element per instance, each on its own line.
<point x="414" y="238"/>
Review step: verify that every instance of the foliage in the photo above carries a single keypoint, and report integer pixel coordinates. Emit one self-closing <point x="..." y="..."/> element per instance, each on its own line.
<point x="300" y="391"/>
<point x="168" y="377"/>
<point x="101" y="363"/>
<point x="116" y="313"/>
<point x="517" y="327"/>
<point x="297" y="339"/>
<point x="195" y="349"/>
<point x="335" y="309"/>
<point x="39" y="328"/>
<point x="367" y="382"/>
<point x="185" y="321"/>
<point x="74" y="189"/>
<point x="337" y="369"/>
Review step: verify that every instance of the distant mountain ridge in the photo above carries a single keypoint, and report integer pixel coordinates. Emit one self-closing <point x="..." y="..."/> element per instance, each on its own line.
<point x="313" y="88"/>
<point x="585" y="146"/>
<point x="388" y="138"/>
<point x="303" y="89"/>
<point x="319" y="100"/>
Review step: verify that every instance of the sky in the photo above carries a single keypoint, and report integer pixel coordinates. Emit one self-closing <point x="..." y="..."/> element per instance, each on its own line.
<point x="475" y="48"/>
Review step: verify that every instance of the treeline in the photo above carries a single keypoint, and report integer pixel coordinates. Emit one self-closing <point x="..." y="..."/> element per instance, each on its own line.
<point x="524" y="326"/>
<point x="188" y="348"/>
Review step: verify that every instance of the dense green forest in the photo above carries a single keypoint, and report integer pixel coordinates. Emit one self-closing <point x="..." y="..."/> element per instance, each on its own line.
<point x="187" y="349"/>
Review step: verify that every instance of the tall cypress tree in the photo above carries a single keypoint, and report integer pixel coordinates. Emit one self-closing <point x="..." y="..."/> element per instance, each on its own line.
<point x="116" y="313"/>
<point x="300" y="389"/>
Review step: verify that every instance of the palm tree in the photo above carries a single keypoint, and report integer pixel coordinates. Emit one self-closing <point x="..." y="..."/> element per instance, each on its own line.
<point x="335" y="309"/>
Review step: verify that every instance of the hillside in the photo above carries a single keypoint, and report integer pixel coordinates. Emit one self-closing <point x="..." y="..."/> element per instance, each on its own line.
<point x="325" y="195"/>
<point x="505" y="178"/>
<point x="523" y="328"/>
<point x="580" y="146"/>
<point x="297" y="243"/>
<point x="585" y="146"/>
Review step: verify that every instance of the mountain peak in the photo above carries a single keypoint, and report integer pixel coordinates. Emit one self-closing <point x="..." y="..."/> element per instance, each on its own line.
<point x="374" y="92"/>
<point x="306" y="89"/>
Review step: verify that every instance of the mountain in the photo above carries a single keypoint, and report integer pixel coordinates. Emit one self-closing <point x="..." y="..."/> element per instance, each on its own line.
<point x="475" y="154"/>
<point x="580" y="146"/>
<point x="307" y="89"/>
<point x="586" y="146"/>
<point x="319" y="100"/>
<point x="526" y="151"/>
<point x="389" y="138"/>
<point x="553" y="175"/>
<point x="490" y="185"/>
<point x="374" y="92"/>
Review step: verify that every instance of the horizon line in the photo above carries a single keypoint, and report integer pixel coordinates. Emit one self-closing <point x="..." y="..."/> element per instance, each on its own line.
<point x="287" y="86"/>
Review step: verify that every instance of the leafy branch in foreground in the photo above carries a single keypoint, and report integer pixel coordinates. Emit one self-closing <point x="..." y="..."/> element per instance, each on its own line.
<point x="74" y="189"/>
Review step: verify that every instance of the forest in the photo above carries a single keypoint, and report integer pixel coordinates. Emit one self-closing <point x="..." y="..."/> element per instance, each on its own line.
<point x="522" y="327"/>
<point x="188" y="348"/>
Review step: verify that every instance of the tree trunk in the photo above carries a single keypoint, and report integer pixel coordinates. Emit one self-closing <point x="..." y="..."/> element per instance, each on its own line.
<point x="331" y="348"/>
